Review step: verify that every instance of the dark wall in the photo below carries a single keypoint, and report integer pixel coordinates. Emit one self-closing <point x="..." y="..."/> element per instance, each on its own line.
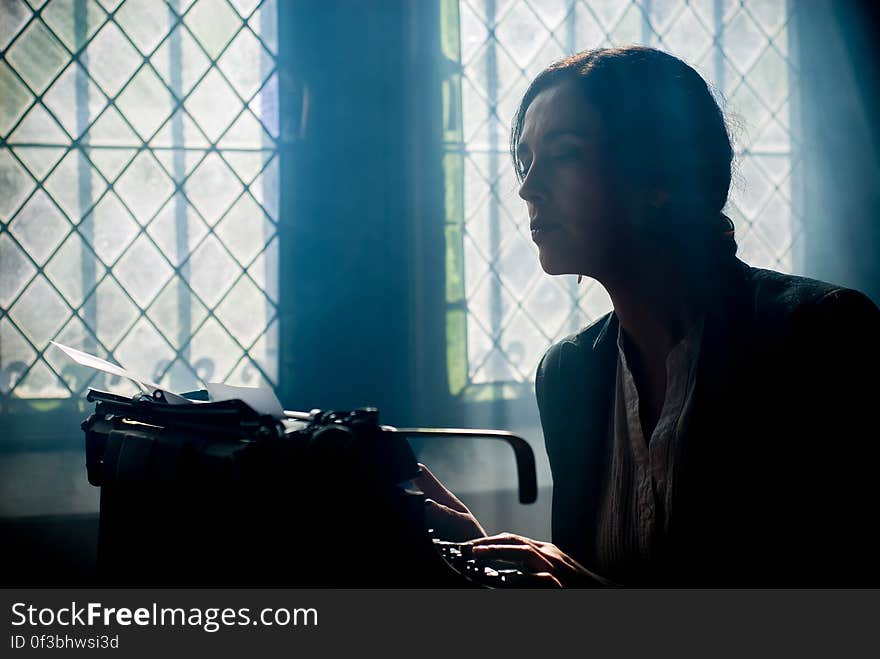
<point x="361" y="227"/>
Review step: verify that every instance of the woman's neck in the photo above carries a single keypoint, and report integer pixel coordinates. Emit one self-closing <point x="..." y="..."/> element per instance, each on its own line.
<point x="656" y="306"/>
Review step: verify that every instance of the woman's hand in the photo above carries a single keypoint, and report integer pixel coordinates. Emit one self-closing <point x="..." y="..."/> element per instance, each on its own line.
<point x="449" y="517"/>
<point x="543" y="564"/>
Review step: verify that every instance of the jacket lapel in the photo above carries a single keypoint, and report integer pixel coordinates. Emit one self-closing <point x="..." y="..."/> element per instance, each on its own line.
<point x="591" y="377"/>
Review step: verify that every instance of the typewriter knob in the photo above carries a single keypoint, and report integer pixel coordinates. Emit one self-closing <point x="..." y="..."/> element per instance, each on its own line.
<point x="332" y="441"/>
<point x="367" y="414"/>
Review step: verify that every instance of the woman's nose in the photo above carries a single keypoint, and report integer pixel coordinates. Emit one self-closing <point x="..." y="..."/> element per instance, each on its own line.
<point x="531" y="189"/>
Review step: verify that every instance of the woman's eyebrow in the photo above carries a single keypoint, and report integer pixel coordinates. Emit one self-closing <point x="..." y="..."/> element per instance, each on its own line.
<point x="556" y="134"/>
<point x="522" y="149"/>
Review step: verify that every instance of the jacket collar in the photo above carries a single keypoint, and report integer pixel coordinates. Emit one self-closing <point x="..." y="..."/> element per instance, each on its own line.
<point x="727" y="305"/>
<point x="607" y="333"/>
<point x="589" y="379"/>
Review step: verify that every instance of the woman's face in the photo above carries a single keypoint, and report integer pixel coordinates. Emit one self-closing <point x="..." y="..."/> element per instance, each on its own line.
<point x="576" y="215"/>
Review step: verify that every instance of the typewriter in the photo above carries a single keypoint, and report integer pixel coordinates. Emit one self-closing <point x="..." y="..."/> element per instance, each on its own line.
<point x="209" y="494"/>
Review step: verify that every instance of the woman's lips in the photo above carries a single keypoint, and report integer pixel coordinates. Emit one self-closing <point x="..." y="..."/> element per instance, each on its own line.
<point x="541" y="231"/>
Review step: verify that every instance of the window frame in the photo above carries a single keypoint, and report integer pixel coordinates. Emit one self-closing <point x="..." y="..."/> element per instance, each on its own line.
<point x="44" y="423"/>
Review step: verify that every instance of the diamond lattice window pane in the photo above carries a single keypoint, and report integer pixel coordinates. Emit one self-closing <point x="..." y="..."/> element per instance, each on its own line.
<point x="72" y="27"/>
<point x="264" y="353"/>
<point x="38" y="127"/>
<point x="179" y="163"/>
<point x="244" y="7"/>
<point x="247" y="164"/>
<point x="17" y="354"/>
<point x="144" y="187"/>
<point x="245" y="230"/>
<point x="213" y="105"/>
<point x="14" y="101"/>
<point x="109" y="228"/>
<point x="113" y="254"/>
<point x="688" y="37"/>
<point x="246" y="64"/>
<point x="76" y="335"/>
<point x="177" y="230"/>
<point x="15" y="15"/>
<point x="39" y="226"/>
<point x="744" y="42"/>
<point x="212" y="188"/>
<point x="265" y="189"/>
<point x="212" y="271"/>
<point x="39" y="312"/>
<point x="213" y="22"/>
<point x="514" y="310"/>
<point x="110" y="162"/>
<point x="109" y="312"/>
<point x="263" y="22"/>
<point x="213" y="353"/>
<point x="265" y="104"/>
<point x="37" y="56"/>
<point x="264" y="269"/>
<point x="769" y="78"/>
<point x="180" y="61"/>
<point x="176" y="311"/>
<point x="142" y="271"/>
<point x="15" y="270"/>
<point x="179" y="131"/>
<point x="75" y="184"/>
<point x="15" y="184"/>
<point x="144" y="351"/>
<point x="145" y="102"/>
<point x="39" y="159"/>
<point x="146" y="22"/>
<point x="112" y="59"/>
<point x="40" y="382"/>
<point x="65" y="270"/>
<point x="246" y="130"/>
<point x="111" y="130"/>
<point x="243" y="303"/>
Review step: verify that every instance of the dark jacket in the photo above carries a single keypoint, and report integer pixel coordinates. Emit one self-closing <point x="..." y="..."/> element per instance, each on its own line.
<point x="779" y="485"/>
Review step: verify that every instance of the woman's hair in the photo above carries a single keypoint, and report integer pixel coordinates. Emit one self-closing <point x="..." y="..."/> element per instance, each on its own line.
<point x="662" y="129"/>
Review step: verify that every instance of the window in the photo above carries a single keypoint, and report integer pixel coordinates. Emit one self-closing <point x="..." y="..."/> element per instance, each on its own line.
<point x="502" y="310"/>
<point x="138" y="193"/>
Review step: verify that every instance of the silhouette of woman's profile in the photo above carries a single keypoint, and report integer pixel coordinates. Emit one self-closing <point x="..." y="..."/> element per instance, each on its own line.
<point x="713" y="429"/>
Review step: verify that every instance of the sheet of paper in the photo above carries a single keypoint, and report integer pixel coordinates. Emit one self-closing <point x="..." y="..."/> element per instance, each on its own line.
<point x="90" y="361"/>
<point x="262" y="401"/>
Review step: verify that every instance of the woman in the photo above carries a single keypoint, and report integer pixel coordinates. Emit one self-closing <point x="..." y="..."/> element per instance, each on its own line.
<point x="712" y="429"/>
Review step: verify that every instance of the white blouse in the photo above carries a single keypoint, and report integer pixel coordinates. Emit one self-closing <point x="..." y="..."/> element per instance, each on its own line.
<point x="640" y="478"/>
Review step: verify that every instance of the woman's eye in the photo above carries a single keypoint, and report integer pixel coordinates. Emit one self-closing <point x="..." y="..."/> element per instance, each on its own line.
<point x="565" y="154"/>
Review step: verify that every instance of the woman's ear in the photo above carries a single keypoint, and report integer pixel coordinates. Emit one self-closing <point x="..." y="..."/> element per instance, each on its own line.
<point x="644" y="206"/>
<point x="657" y="198"/>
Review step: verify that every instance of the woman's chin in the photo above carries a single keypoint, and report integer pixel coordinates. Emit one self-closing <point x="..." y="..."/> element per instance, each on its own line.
<point x="552" y="266"/>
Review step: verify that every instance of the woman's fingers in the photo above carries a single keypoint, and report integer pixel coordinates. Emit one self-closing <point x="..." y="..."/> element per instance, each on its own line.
<point x="548" y="550"/>
<point x="505" y="539"/>
<point x="525" y="556"/>
<point x="537" y="580"/>
<point x="435" y="490"/>
<point x="451" y="525"/>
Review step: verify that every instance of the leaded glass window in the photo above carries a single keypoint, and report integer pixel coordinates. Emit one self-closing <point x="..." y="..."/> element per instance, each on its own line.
<point x="138" y="192"/>
<point x="502" y="310"/>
